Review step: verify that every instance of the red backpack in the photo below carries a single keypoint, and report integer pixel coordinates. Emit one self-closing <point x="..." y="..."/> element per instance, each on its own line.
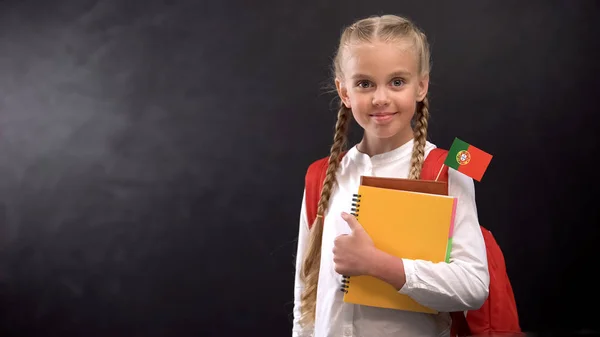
<point x="498" y="314"/>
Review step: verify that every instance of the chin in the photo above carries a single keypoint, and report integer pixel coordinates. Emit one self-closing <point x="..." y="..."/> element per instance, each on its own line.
<point x="392" y="133"/>
<point x="386" y="132"/>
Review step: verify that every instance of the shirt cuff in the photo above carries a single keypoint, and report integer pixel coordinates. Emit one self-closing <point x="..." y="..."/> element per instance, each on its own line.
<point x="409" y="274"/>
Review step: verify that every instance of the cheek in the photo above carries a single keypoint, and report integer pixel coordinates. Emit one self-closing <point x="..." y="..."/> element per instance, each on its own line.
<point x="407" y="101"/>
<point x="361" y="107"/>
<point x="407" y="105"/>
<point x="360" y="102"/>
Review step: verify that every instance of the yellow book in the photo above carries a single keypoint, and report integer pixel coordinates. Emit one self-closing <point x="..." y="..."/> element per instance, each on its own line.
<point x="406" y="224"/>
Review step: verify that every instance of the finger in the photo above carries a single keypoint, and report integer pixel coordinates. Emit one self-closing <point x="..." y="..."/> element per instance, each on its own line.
<point x="351" y="220"/>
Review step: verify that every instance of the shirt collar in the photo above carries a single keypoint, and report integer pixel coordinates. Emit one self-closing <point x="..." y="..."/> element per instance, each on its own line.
<point x="400" y="152"/>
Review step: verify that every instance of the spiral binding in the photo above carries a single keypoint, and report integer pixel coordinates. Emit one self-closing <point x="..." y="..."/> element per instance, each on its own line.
<point x="354" y="211"/>
<point x="345" y="284"/>
<point x="355" y="204"/>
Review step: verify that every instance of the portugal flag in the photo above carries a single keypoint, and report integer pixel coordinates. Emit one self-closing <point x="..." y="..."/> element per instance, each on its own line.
<point x="467" y="159"/>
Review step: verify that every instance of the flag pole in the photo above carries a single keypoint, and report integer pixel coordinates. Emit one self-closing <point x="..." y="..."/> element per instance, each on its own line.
<point x="440" y="172"/>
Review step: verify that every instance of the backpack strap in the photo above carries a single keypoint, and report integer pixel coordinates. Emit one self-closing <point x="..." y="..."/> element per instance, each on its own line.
<point x="315" y="175"/>
<point x="432" y="165"/>
<point x="313" y="182"/>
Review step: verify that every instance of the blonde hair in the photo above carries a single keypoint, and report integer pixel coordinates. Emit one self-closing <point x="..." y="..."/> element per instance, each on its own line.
<point x="384" y="28"/>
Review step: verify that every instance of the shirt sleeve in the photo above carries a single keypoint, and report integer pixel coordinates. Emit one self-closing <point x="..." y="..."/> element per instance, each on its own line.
<point x="297" y="329"/>
<point x="463" y="283"/>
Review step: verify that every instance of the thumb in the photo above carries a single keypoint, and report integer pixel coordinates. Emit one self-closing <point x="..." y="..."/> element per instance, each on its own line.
<point x="352" y="221"/>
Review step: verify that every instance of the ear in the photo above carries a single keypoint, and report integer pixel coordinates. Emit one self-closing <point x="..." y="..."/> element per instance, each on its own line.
<point x="423" y="87"/>
<point x="342" y="92"/>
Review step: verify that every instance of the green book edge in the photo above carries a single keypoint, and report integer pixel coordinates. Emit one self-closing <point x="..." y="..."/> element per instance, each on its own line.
<point x="448" y="249"/>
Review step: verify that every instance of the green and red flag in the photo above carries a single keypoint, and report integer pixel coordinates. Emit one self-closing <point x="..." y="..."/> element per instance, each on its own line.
<point x="467" y="159"/>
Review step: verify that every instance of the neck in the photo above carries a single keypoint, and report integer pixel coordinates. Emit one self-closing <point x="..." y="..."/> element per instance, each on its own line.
<point x="373" y="146"/>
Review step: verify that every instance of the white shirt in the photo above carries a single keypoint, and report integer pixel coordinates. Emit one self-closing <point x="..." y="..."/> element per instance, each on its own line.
<point x="459" y="285"/>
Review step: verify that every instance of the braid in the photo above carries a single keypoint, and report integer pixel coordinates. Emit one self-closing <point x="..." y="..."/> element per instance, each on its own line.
<point x="312" y="257"/>
<point x="339" y="143"/>
<point x="418" y="154"/>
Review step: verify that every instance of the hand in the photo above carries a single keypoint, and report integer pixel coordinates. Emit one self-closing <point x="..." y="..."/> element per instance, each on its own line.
<point x="352" y="253"/>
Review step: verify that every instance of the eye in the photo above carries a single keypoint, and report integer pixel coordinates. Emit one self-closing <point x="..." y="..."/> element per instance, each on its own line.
<point x="363" y="84"/>
<point x="398" y="82"/>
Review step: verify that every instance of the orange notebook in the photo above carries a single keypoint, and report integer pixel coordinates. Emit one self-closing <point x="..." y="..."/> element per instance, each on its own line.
<point x="406" y="224"/>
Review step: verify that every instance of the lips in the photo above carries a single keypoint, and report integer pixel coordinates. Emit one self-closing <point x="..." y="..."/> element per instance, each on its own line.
<point x="382" y="117"/>
<point x="382" y="114"/>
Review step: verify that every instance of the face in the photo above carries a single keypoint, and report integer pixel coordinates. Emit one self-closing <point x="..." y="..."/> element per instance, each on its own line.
<point x="381" y="85"/>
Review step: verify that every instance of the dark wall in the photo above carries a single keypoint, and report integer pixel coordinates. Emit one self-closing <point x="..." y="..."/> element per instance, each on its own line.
<point x="152" y="154"/>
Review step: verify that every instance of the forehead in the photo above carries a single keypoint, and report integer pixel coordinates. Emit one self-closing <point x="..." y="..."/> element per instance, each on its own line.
<point x="379" y="58"/>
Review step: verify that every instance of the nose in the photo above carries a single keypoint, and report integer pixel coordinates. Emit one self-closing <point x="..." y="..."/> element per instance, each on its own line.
<point x="380" y="97"/>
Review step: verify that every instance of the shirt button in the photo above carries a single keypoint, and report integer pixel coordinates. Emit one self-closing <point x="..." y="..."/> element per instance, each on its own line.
<point x="347" y="332"/>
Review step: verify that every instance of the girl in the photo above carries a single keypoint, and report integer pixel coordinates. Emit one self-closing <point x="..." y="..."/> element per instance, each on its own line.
<point x="381" y="75"/>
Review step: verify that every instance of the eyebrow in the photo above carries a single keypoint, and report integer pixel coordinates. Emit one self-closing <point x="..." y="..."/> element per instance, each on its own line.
<point x="400" y="73"/>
